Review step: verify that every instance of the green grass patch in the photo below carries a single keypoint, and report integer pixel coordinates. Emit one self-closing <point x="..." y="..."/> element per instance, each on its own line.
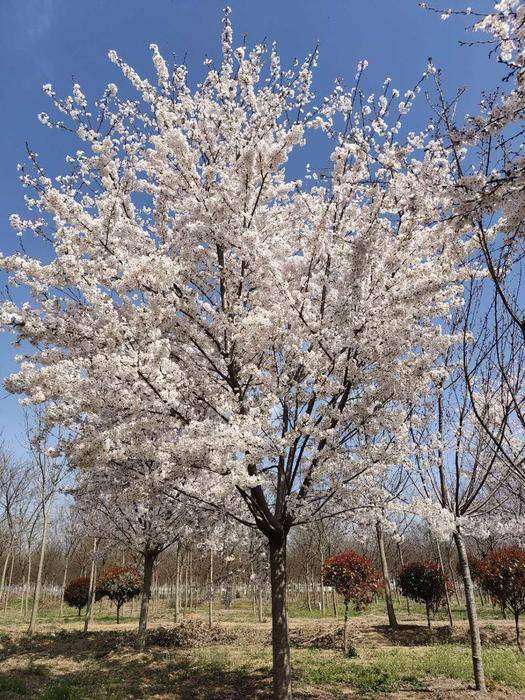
<point x="408" y="669"/>
<point x="502" y="665"/>
<point x="11" y="685"/>
<point x="373" y="677"/>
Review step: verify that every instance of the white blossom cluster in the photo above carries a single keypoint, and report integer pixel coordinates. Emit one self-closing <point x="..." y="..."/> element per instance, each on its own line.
<point x="255" y="337"/>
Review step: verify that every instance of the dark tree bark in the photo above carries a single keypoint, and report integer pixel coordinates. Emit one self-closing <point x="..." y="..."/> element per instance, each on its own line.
<point x="149" y="563"/>
<point x="345" y="630"/>
<point x="282" y="684"/>
<point x="392" y="620"/>
<point x="92" y="588"/>
<point x="518" y="634"/>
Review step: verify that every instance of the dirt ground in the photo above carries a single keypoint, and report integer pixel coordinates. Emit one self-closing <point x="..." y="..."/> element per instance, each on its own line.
<point x="233" y="660"/>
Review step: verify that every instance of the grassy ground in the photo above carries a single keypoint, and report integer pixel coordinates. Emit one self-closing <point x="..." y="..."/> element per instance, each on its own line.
<point x="234" y="660"/>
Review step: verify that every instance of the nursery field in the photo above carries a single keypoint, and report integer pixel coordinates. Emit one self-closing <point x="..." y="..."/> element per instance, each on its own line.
<point x="232" y="659"/>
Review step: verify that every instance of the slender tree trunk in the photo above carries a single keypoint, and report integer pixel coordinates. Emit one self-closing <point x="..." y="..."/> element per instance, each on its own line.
<point x="154" y="594"/>
<point x="191" y="581"/>
<point x="392" y="621"/>
<point x="149" y="563"/>
<point x="401" y="561"/>
<point x="210" y="592"/>
<point x="118" y="613"/>
<point x="518" y="635"/>
<point x="427" y="608"/>
<point x="455" y="583"/>
<point x="64" y="582"/>
<point x="177" y="581"/>
<point x="282" y="683"/>
<point x="186" y="581"/>
<point x="447" y="596"/>
<point x="334" y="604"/>
<point x="481" y="599"/>
<point x="308" y="596"/>
<point x="92" y="589"/>
<point x="321" y="584"/>
<point x="38" y="582"/>
<point x="4" y="572"/>
<point x="345" y="630"/>
<point x="23" y="596"/>
<point x="475" y="638"/>
<point x="260" y="604"/>
<point x="9" y="583"/>
<point x="28" y="585"/>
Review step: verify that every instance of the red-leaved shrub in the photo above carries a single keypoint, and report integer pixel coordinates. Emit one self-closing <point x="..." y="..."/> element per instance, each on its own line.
<point x="119" y="584"/>
<point x="424" y="582"/>
<point x="501" y="574"/>
<point x="355" y="578"/>
<point x="76" y="593"/>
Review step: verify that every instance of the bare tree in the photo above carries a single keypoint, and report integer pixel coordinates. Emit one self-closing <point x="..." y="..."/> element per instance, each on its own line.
<point x="50" y="474"/>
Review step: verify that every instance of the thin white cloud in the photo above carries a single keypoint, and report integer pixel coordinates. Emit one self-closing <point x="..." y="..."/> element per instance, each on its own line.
<point x="34" y="17"/>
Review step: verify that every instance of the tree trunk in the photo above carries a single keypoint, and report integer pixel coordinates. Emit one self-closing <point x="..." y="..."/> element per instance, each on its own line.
<point x="149" y="563"/>
<point x="38" y="582"/>
<point x="4" y="572"/>
<point x="92" y="589"/>
<point x="118" y="613"/>
<point x="260" y="604"/>
<point x="392" y="621"/>
<point x="186" y="581"/>
<point x="28" y="585"/>
<point x="447" y="597"/>
<point x="475" y="639"/>
<point x="427" y="607"/>
<point x="64" y="582"/>
<point x="9" y="583"/>
<point x="210" y="592"/>
<point x="282" y="685"/>
<point x="177" y="581"/>
<point x="191" y="581"/>
<point x="334" y="604"/>
<point x="518" y="636"/>
<point x="308" y="596"/>
<point x="400" y="553"/>
<point x="321" y="584"/>
<point x="345" y="630"/>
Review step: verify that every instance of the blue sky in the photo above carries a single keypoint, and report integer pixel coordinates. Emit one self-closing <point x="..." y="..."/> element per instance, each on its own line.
<point x="56" y="41"/>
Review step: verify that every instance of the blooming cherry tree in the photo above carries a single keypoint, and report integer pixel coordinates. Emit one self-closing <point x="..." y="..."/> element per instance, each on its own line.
<point x="266" y="330"/>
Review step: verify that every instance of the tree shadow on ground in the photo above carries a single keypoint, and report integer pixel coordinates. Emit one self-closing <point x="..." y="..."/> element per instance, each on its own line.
<point x="77" y="666"/>
<point x="409" y="635"/>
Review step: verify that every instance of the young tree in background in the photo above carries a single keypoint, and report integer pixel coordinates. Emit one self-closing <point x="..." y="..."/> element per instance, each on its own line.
<point x="120" y="585"/>
<point x="13" y="493"/>
<point x="355" y="579"/>
<point x="131" y="503"/>
<point x="76" y="593"/>
<point x="424" y="582"/>
<point x="50" y="475"/>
